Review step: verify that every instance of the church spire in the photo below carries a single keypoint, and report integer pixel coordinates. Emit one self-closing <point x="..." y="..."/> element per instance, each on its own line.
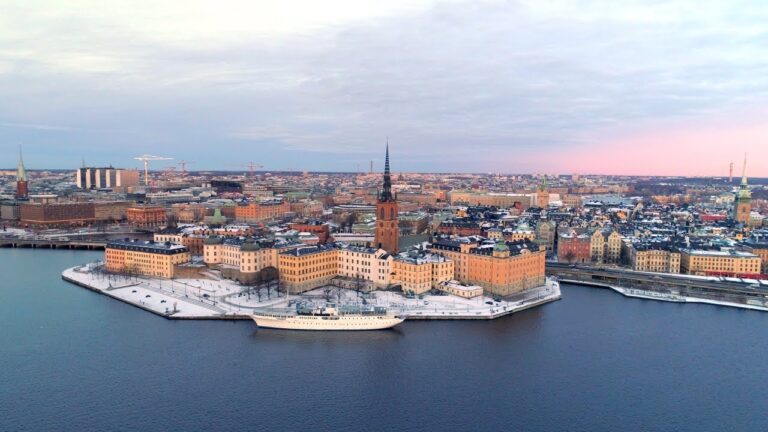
<point x="21" y="172"/>
<point x="744" y="172"/>
<point x="386" y="194"/>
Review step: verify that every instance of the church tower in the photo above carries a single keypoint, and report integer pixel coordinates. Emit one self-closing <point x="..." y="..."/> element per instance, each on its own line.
<point x="542" y="194"/>
<point x="742" y="203"/>
<point x="387" y="229"/>
<point x="22" y="187"/>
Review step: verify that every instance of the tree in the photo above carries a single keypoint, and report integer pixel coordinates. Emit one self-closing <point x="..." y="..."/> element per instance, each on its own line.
<point x="328" y="292"/>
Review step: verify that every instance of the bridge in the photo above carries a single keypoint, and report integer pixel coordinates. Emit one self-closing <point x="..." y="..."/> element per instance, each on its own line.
<point x="732" y="290"/>
<point x="52" y="243"/>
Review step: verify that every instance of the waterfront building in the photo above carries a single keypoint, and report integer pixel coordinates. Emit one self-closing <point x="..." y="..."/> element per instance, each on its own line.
<point x="246" y="260"/>
<point x="418" y="271"/>
<point x="145" y="257"/>
<point x="105" y="177"/>
<point x="573" y="246"/>
<point x="650" y="257"/>
<point x="57" y="213"/>
<point x="502" y="268"/>
<point x="742" y="203"/>
<point x="605" y="246"/>
<point x="387" y="227"/>
<point x="146" y="216"/>
<point x="462" y="290"/>
<point x="308" y="267"/>
<point x="757" y="243"/>
<point x="720" y="263"/>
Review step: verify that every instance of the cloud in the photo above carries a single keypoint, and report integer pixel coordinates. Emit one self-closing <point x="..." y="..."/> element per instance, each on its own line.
<point x="471" y="86"/>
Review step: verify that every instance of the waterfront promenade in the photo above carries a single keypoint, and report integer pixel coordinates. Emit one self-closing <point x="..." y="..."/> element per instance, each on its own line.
<point x="223" y="299"/>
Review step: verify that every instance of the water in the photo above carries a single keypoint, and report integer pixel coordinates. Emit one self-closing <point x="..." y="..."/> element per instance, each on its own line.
<point x="73" y="360"/>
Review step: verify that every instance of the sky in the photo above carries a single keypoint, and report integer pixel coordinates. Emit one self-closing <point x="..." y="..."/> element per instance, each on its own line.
<point x="530" y="86"/>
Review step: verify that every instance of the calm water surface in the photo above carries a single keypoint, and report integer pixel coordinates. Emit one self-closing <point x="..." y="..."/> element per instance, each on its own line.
<point x="73" y="360"/>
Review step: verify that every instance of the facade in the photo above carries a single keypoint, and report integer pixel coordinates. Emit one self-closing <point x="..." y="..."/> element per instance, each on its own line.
<point x="55" y="214"/>
<point x="321" y="230"/>
<point x="244" y="260"/>
<point x="500" y="268"/>
<point x="110" y="210"/>
<point x="306" y="268"/>
<point x="758" y="245"/>
<point x="605" y="246"/>
<point x="262" y="211"/>
<point x="500" y="200"/>
<point x="145" y="258"/>
<point x="146" y="216"/>
<point x="720" y="263"/>
<point x="658" y="259"/>
<point x="387" y="227"/>
<point x="418" y="272"/>
<point x="573" y="246"/>
<point x="461" y="290"/>
<point x="545" y="235"/>
<point x="105" y="177"/>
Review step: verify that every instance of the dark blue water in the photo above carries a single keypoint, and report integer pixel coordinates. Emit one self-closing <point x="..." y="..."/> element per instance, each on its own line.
<point x="74" y="360"/>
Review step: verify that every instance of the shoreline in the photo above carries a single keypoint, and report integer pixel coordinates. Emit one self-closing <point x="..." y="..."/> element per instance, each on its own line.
<point x="144" y="293"/>
<point x="665" y="297"/>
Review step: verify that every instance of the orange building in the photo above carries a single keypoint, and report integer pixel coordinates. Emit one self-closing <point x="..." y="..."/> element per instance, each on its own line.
<point x="501" y="268"/>
<point x="145" y="216"/>
<point x="264" y="210"/>
<point x="145" y="258"/>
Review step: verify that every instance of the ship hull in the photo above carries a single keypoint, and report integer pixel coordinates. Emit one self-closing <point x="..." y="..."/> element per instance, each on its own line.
<point x="343" y="323"/>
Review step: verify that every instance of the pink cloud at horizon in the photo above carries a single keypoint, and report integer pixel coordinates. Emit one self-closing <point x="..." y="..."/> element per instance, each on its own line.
<point x="704" y="149"/>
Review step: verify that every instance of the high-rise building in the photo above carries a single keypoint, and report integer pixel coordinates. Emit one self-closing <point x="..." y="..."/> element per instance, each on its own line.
<point x="387" y="230"/>
<point x="742" y="204"/>
<point x="106" y="177"/>
<point x="22" y="186"/>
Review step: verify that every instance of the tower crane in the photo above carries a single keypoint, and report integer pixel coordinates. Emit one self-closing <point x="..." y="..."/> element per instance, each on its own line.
<point x="183" y="164"/>
<point x="146" y="158"/>
<point x="251" y="167"/>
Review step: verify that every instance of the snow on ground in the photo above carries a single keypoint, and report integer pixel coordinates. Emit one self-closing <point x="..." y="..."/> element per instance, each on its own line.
<point x="207" y="298"/>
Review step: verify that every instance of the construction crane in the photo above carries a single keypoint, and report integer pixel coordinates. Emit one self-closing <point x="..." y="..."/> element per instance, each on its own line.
<point x="183" y="164"/>
<point x="251" y="167"/>
<point x="146" y="158"/>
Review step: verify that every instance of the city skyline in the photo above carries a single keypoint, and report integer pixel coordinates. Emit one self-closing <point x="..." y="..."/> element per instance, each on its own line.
<point x="521" y="87"/>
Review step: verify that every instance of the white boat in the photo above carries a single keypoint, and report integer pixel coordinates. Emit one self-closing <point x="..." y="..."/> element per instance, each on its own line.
<point x="327" y="318"/>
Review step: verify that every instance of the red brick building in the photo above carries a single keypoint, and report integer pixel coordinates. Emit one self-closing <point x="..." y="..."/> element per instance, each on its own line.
<point x="322" y="231"/>
<point x="573" y="247"/>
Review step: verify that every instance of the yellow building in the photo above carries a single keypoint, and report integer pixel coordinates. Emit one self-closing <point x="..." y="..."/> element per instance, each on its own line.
<point x="419" y="272"/>
<point x="723" y="263"/>
<point x="309" y="267"/>
<point x="245" y="260"/>
<point x="145" y="258"/>
<point x="605" y="246"/>
<point x="500" y="268"/>
<point x="461" y="290"/>
<point x="659" y="259"/>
